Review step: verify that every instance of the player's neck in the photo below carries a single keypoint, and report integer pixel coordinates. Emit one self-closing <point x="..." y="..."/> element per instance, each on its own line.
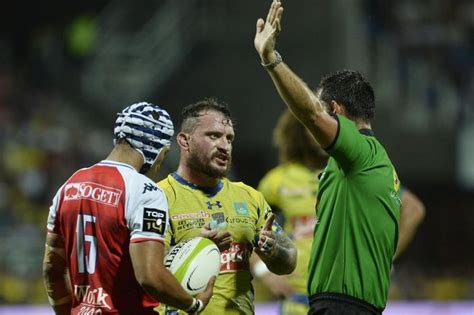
<point x="196" y="177"/>
<point x="123" y="153"/>
<point x="363" y="125"/>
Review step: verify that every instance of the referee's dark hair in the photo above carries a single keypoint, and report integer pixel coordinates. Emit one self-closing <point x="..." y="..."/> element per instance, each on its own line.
<point x="350" y="89"/>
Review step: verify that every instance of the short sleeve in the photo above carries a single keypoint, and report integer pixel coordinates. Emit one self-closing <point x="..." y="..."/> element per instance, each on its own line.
<point x="147" y="213"/>
<point x="52" y="225"/>
<point x="350" y="148"/>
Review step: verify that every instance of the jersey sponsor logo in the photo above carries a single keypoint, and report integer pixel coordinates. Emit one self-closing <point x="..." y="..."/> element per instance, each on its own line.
<point x="186" y="216"/>
<point x="149" y="187"/>
<point x="93" y="297"/>
<point x="218" y="221"/>
<point x="215" y="204"/>
<point x="241" y="208"/>
<point x="154" y="220"/>
<point x="236" y="257"/>
<point x="92" y="191"/>
<point x="190" y="224"/>
<point x="240" y="220"/>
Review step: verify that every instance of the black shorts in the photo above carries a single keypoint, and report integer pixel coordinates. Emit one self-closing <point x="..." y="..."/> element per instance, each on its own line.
<point x="339" y="304"/>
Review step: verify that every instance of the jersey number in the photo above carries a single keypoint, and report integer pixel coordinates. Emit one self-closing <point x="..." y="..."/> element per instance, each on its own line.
<point x="86" y="262"/>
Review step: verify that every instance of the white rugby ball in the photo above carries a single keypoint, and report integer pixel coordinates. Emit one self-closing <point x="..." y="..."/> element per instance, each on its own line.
<point x="193" y="262"/>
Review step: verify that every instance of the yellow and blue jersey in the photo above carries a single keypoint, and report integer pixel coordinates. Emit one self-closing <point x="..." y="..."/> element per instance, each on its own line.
<point x="292" y="187"/>
<point x="230" y="206"/>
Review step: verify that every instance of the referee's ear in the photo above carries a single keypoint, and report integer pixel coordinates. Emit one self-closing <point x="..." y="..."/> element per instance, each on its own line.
<point x="337" y="108"/>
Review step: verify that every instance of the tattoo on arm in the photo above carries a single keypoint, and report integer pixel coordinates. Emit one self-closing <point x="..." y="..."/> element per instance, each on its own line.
<point x="282" y="258"/>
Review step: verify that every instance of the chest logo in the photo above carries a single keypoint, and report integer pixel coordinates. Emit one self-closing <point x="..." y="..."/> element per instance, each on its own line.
<point x="149" y="187"/>
<point x="210" y="205"/>
<point x="218" y="221"/>
<point x="241" y="208"/>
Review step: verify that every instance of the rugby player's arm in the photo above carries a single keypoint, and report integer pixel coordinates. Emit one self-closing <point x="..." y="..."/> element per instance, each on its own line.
<point x="412" y="213"/>
<point x="55" y="274"/>
<point x="147" y="259"/>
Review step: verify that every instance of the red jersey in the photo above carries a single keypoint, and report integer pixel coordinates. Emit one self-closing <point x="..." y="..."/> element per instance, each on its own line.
<point x="99" y="211"/>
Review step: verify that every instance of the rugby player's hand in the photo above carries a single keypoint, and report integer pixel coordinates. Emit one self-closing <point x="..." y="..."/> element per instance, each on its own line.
<point x="267" y="31"/>
<point x="206" y="295"/>
<point x="266" y="239"/>
<point x="221" y="238"/>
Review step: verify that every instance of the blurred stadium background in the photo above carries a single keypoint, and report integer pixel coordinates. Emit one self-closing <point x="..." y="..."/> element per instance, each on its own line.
<point x="67" y="67"/>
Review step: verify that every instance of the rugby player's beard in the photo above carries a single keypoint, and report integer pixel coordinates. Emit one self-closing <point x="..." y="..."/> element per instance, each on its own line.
<point x="197" y="163"/>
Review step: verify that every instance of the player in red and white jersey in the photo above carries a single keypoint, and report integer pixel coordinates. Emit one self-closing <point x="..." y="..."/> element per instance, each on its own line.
<point x="106" y="226"/>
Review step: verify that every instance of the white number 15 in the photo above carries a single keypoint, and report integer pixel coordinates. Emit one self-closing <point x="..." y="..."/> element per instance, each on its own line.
<point x="86" y="263"/>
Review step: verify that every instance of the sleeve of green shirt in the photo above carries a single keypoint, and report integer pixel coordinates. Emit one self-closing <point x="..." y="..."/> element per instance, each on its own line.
<point x="350" y="148"/>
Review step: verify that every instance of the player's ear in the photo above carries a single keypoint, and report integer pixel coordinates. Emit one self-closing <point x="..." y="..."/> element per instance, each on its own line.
<point x="336" y="108"/>
<point x="183" y="140"/>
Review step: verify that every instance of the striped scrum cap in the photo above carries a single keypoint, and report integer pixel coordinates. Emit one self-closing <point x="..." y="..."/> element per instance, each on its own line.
<point x="147" y="128"/>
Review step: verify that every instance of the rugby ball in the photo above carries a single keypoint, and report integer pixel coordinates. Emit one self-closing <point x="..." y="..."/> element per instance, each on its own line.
<point x="193" y="262"/>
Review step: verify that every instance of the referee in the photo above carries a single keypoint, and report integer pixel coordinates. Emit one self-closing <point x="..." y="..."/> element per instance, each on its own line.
<point x="358" y="204"/>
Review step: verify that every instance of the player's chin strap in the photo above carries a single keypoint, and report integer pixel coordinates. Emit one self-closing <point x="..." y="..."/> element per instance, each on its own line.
<point x="196" y="307"/>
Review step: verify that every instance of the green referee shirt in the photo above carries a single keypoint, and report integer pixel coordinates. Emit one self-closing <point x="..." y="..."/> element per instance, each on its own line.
<point x="358" y="211"/>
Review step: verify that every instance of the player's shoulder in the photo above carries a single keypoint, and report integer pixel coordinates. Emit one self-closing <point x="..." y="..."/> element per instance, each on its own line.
<point x="80" y="173"/>
<point x="78" y="176"/>
<point x="133" y="180"/>
<point x="237" y="185"/>
<point x="169" y="188"/>
<point x="277" y="173"/>
<point x="166" y="183"/>
<point x="243" y="190"/>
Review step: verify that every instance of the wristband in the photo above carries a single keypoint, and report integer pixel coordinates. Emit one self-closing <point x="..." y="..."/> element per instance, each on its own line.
<point x="271" y="65"/>
<point x="260" y="269"/>
<point x="61" y="301"/>
<point x="196" y="307"/>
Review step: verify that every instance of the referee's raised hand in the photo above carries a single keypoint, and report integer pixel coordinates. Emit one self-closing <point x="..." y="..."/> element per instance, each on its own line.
<point x="267" y="31"/>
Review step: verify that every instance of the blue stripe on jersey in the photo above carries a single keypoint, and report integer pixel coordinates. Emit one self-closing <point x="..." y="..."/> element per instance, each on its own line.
<point x="209" y="191"/>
